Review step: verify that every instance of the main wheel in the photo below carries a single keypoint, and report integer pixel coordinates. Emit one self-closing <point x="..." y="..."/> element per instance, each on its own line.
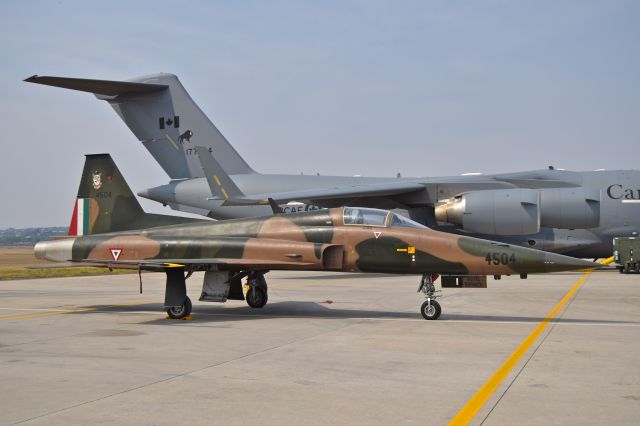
<point x="182" y="311"/>
<point x="257" y="297"/>
<point x="431" y="310"/>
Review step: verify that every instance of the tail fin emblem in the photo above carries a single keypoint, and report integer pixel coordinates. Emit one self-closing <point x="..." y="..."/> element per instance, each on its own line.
<point x="97" y="180"/>
<point x="186" y="136"/>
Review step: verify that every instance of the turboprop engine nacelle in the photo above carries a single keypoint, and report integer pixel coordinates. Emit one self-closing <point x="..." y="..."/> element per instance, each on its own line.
<point x="522" y="211"/>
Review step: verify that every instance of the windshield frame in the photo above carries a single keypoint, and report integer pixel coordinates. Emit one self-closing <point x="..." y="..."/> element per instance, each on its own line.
<point x="385" y="223"/>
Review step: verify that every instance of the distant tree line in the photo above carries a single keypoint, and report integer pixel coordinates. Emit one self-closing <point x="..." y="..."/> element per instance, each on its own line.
<point x="29" y="236"/>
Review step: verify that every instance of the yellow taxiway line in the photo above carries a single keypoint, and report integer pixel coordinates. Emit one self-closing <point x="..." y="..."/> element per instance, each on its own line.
<point x="477" y="401"/>
<point x="66" y="311"/>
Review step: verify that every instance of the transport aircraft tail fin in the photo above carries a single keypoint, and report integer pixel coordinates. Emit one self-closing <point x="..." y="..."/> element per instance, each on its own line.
<point x="105" y="202"/>
<point x="162" y="115"/>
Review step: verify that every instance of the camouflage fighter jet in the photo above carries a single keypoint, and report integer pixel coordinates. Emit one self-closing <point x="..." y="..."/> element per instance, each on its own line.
<point x="106" y="232"/>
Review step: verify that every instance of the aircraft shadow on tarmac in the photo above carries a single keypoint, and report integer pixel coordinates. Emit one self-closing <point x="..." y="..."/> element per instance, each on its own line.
<point x="335" y="276"/>
<point x="315" y="310"/>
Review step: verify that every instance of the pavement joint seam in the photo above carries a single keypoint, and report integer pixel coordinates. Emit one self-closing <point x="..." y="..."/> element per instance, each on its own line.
<point x="533" y="353"/>
<point x="486" y="391"/>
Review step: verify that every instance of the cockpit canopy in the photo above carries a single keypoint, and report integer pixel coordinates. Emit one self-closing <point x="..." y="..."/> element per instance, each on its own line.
<point x="376" y="217"/>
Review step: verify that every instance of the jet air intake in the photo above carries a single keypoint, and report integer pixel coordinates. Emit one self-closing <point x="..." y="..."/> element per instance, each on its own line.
<point x="522" y="211"/>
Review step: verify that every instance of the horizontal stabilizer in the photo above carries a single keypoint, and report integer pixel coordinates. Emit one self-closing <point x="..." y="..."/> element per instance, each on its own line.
<point x="350" y="191"/>
<point x="99" y="87"/>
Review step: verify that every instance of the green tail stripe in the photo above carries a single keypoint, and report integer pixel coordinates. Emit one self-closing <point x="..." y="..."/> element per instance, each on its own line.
<point x="85" y="216"/>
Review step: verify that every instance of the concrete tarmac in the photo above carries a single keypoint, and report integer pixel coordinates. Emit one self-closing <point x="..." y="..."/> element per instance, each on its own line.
<point x="329" y="348"/>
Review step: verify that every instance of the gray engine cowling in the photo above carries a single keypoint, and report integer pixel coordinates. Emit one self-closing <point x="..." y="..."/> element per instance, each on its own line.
<point x="522" y="211"/>
<point x="570" y="208"/>
<point x="498" y="212"/>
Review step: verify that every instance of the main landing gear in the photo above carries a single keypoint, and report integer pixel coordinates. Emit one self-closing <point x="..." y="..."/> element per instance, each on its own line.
<point x="176" y="301"/>
<point x="181" y="311"/>
<point x="257" y="295"/>
<point x="430" y="309"/>
<point x="218" y="286"/>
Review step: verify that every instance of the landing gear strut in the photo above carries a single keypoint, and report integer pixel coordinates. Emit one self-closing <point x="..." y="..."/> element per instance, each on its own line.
<point x="430" y="309"/>
<point x="257" y="295"/>
<point x="176" y="301"/>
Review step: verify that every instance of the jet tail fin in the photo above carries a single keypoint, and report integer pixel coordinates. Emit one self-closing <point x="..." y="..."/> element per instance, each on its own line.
<point x="220" y="184"/>
<point x="162" y="115"/>
<point x="105" y="202"/>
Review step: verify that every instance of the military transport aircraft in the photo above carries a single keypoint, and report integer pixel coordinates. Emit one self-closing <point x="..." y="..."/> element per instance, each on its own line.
<point x="107" y="221"/>
<point x="574" y="213"/>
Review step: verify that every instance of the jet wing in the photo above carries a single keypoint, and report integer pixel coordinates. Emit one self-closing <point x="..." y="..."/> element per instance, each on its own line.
<point x="149" y="264"/>
<point x="349" y="191"/>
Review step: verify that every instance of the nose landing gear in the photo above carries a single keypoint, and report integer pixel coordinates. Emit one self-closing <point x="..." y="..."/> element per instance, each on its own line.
<point x="430" y="309"/>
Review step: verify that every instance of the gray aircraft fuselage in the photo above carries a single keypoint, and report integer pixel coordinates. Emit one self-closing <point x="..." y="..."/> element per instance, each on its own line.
<point x="617" y="218"/>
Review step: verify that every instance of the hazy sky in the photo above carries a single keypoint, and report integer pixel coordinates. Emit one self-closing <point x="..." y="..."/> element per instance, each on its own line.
<point x="346" y="87"/>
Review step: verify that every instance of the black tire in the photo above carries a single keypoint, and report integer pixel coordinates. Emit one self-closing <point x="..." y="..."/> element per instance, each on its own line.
<point x="256" y="297"/>
<point x="430" y="310"/>
<point x="182" y="311"/>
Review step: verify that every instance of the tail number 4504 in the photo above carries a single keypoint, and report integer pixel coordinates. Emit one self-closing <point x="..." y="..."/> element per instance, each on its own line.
<point x="500" y="258"/>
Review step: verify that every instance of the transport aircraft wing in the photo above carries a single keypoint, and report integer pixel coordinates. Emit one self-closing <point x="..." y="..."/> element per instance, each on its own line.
<point x="347" y="191"/>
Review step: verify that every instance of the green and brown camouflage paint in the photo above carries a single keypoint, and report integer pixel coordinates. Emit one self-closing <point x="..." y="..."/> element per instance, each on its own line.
<point x="317" y="240"/>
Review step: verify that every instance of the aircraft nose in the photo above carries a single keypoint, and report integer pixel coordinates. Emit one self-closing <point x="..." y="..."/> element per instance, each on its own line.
<point x="161" y="194"/>
<point x="557" y="262"/>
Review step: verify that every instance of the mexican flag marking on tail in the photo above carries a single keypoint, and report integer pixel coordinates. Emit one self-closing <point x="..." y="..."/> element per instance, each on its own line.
<point x="80" y="218"/>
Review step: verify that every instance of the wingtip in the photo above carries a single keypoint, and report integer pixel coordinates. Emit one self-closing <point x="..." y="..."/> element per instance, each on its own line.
<point x="31" y="79"/>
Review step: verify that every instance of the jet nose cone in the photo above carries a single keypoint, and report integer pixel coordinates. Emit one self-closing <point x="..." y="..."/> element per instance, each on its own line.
<point x="557" y="262"/>
<point x="144" y="193"/>
<point x="161" y="194"/>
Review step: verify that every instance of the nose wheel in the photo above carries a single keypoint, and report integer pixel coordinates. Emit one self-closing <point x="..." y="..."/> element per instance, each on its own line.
<point x="430" y="309"/>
